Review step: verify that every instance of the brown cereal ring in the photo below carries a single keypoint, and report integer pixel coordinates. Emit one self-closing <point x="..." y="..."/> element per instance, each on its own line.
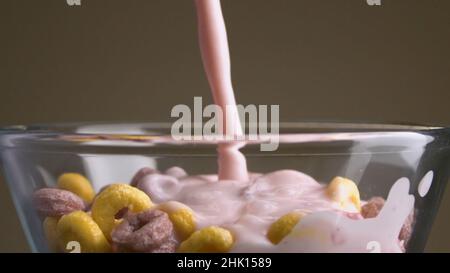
<point x="51" y="202"/>
<point x="140" y="174"/>
<point x="372" y="208"/>
<point x="147" y="231"/>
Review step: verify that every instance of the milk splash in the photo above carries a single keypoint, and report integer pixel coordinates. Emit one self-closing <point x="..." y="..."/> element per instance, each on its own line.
<point x="248" y="209"/>
<point x="336" y="233"/>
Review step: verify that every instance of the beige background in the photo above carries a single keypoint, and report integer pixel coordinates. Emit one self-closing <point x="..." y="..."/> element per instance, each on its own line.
<point x="133" y="60"/>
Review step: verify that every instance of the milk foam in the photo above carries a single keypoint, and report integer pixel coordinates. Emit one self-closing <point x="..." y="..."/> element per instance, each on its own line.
<point x="248" y="208"/>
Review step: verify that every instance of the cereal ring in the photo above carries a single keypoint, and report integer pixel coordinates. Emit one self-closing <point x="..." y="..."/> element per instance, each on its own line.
<point x="141" y="174"/>
<point x="56" y="202"/>
<point x="211" y="239"/>
<point x="283" y="226"/>
<point x="182" y="218"/>
<point x="78" y="226"/>
<point x="147" y="231"/>
<point x="168" y="247"/>
<point x="49" y="226"/>
<point x="372" y="208"/>
<point x="77" y="184"/>
<point x="345" y="192"/>
<point x="113" y="199"/>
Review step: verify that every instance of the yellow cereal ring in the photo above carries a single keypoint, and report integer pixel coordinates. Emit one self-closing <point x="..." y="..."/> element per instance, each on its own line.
<point x="49" y="227"/>
<point x="114" y="198"/>
<point x="208" y="240"/>
<point x="181" y="216"/>
<point x="78" y="226"/>
<point x="283" y="226"/>
<point x="77" y="184"/>
<point x="345" y="192"/>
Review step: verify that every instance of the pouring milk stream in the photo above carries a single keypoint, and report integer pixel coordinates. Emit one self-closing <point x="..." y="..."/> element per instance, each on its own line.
<point x="216" y="60"/>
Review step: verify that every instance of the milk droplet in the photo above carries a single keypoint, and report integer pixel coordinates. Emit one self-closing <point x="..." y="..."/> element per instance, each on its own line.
<point x="425" y="184"/>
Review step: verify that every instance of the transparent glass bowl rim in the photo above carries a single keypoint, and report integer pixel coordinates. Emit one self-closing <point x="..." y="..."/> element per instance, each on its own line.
<point x="142" y="134"/>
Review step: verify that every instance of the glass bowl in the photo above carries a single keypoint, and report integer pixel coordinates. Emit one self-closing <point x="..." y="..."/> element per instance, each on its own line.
<point x="327" y="188"/>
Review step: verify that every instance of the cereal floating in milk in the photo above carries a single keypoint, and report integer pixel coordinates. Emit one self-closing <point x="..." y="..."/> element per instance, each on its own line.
<point x="283" y="226"/>
<point x="211" y="239"/>
<point x="182" y="217"/>
<point x="282" y="211"/>
<point x="149" y="231"/>
<point x="113" y="199"/>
